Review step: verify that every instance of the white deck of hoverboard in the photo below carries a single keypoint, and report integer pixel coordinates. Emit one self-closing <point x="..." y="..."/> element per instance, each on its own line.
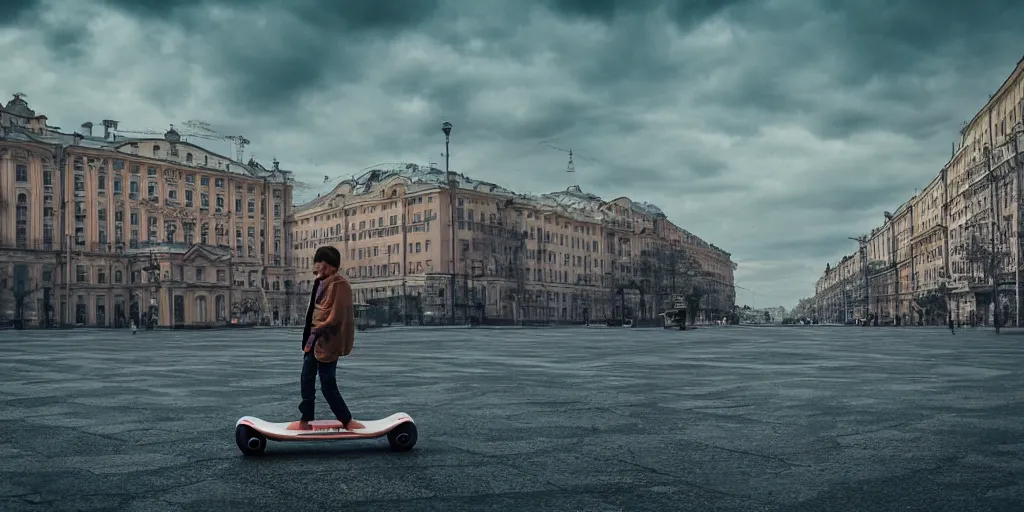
<point x="374" y="428"/>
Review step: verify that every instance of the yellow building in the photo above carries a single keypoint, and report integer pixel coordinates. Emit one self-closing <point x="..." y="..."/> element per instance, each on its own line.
<point x="99" y="230"/>
<point x="108" y="229"/>
<point x="938" y="246"/>
<point x="839" y="292"/>
<point x="929" y="244"/>
<point x="903" y="232"/>
<point x="882" y="269"/>
<point x="517" y="258"/>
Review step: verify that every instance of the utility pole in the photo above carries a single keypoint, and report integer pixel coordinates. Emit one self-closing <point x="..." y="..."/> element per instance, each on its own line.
<point x="67" y="282"/>
<point x="862" y="242"/>
<point x="992" y="240"/>
<point x="846" y="308"/>
<point x="1017" y="204"/>
<point x="893" y="247"/>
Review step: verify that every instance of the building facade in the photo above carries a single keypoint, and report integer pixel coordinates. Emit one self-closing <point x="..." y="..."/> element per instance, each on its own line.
<point x="953" y="247"/>
<point x="104" y="230"/>
<point x="567" y="256"/>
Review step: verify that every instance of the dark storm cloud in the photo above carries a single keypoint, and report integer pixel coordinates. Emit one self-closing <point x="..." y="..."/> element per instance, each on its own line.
<point x="297" y="47"/>
<point x="847" y="198"/>
<point x="16" y="11"/>
<point x="350" y="15"/>
<point x="882" y="51"/>
<point x="774" y="129"/>
<point x="684" y="13"/>
<point x="818" y="247"/>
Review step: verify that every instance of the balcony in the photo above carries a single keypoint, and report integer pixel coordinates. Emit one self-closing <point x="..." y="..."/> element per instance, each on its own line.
<point x="26" y="244"/>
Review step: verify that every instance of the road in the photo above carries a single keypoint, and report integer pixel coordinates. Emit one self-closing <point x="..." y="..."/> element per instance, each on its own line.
<point x="588" y="419"/>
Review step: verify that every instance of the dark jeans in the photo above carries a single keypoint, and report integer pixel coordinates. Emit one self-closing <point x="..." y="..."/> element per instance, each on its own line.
<point x="328" y="386"/>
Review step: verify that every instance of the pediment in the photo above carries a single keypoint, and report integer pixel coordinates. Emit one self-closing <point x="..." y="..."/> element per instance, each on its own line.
<point x="200" y="253"/>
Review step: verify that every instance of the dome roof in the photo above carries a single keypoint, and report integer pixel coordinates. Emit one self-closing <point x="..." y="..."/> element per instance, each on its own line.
<point x="19" y="107"/>
<point x="172" y="135"/>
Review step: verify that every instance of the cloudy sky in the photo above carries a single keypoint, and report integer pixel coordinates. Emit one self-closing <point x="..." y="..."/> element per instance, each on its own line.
<point x="774" y="129"/>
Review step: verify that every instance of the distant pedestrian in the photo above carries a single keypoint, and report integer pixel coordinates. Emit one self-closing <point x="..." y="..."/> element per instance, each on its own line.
<point x="951" y="325"/>
<point x="133" y="327"/>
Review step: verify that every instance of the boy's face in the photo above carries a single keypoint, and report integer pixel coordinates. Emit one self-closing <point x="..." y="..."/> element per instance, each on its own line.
<point x="322" y="269"/>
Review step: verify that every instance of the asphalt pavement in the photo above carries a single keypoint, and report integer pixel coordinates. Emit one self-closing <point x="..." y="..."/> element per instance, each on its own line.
<point x="587" y="419"/>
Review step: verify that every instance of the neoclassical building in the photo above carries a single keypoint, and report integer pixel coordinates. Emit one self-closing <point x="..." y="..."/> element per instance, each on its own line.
<point x="98" y="230"/>
<point x="952" y="250"/>
<point x="517" y="258"/>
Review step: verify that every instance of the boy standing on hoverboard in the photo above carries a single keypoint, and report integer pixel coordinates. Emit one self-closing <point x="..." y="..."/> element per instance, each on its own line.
<point x="328" y="335"/>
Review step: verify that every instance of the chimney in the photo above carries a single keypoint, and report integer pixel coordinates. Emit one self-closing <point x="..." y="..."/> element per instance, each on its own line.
<point x="107" y="125"/>
<point x="87" y="126"/>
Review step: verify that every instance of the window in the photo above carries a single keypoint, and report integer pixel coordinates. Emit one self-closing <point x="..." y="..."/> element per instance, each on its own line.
<point x="199" y="274"/>
<point x="21" y="173"/>
<point x="21" y="215"/>
<point x="81" y="274"/>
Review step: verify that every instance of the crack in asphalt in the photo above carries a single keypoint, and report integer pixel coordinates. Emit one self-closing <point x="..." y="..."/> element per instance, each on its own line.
<point x="873" y="431"/>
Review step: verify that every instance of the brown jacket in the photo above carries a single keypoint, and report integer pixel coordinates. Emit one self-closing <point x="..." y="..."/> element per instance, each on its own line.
<point x="334" y="318"/>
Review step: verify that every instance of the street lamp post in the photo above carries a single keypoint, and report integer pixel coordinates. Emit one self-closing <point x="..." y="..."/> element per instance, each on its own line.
<point x="446" y="127"/>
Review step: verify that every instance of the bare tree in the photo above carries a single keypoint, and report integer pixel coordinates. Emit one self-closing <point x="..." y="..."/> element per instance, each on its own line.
<point x="667" y="271"/>
<point x="984" y="260"/>
<point x="247" y="306"/>
<point x="20" y="289"/>
<point x="933" y="307"/>
<point x="501" y="244"/>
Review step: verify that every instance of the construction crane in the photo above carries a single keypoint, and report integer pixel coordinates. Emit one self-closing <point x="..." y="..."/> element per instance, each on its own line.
<point x="571" y="167"/>
<point x="238" y="142"/>
<point x="200" y="130"/>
